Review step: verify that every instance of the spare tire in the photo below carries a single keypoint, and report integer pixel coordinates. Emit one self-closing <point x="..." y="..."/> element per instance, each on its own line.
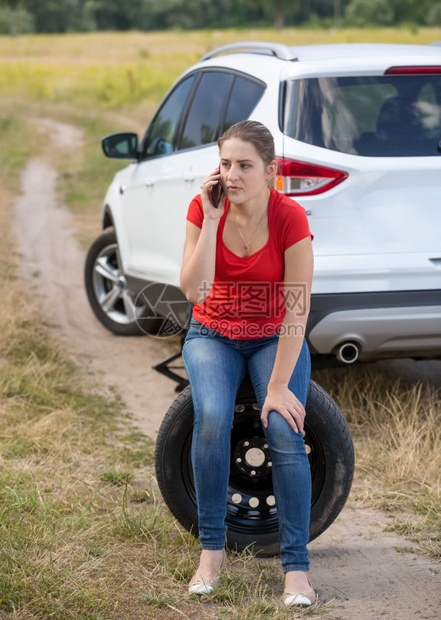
<point x="251" y="510"/>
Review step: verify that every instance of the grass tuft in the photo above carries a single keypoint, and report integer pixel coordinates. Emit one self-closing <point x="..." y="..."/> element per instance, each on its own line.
<point x="396" y="426"/>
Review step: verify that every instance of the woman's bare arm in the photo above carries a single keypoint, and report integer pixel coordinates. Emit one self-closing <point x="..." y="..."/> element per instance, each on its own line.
<point x="299" y="265"/>
<point x="198" y="263"/>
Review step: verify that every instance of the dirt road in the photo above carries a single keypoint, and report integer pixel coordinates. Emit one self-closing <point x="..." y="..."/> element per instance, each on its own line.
<point x="355" y="565"/>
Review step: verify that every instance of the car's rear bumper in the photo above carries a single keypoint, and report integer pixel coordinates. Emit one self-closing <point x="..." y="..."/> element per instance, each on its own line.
<point x="377" y="324"/>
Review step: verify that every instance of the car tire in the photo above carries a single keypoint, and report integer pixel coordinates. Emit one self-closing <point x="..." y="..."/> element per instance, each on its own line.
<point x="106" y="287"/>
<point x="330" y="453"/>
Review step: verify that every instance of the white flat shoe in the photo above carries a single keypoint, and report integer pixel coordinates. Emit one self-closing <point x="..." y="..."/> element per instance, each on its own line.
<point x="304" y="599"/>
<point x="199" y="586"/>
<point x="204" y="587"/>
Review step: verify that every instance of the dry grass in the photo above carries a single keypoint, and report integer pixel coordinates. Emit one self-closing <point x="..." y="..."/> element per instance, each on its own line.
<point x="396" y="426"/>
<point x="111" y="48"/>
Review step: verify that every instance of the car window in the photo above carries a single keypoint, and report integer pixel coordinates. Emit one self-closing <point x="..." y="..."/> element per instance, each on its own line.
<point x="162" y="130"/>
<point x="206" y="110"/>
<point x="245" y="95"/>
<point x="385" y="116"/>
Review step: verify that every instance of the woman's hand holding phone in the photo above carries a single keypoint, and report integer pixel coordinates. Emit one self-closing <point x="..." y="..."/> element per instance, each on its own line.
<point x="213" y="198"/>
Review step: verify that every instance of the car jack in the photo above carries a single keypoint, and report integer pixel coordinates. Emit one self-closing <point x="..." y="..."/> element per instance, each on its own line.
<point x="165" y="368"/>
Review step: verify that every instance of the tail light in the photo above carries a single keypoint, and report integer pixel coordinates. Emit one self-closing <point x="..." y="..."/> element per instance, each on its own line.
<point x="413" y="70"/>
<point x="298" y="178"/>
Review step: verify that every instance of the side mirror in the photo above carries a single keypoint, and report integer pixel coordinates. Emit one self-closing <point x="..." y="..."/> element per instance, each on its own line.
<point x="121" y="145"/>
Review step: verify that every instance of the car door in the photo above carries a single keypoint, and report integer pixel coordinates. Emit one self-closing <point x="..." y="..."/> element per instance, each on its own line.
<point x="180" y="149"/>
<point x="195" y="155"/>
<point x="221" y="99"/>
<point x="140" y="194"/>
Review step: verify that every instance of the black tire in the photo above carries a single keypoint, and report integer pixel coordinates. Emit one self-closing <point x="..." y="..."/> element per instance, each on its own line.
<point x="103" y="275"/>
<point x="331" y="457"/>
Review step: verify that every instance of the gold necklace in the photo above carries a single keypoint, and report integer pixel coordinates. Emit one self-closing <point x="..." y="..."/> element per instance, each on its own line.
<point x="247" y="243"/>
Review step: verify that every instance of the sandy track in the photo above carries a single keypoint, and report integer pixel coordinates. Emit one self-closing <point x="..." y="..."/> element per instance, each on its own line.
<point x="355" y="565"/>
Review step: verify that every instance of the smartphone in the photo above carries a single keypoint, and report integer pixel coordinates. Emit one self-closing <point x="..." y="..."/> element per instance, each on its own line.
<point x="215" y="193"/>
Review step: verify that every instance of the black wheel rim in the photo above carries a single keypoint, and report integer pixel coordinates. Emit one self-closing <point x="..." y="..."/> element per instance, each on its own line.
<point x="251" y="508"/>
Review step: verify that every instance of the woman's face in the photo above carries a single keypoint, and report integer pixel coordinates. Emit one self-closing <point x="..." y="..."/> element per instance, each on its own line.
<point x="243" y="172"/>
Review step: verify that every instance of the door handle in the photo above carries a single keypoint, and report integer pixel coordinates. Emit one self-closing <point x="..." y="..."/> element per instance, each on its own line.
<point x="189" y="180"/>
<point x="149" y="182"/>
<point x="436" y="262"/>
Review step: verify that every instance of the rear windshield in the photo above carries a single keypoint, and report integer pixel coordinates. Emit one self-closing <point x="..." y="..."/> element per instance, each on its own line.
<point x="386" y="116"/>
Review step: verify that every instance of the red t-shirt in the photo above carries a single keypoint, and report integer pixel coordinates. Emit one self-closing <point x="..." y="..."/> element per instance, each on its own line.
<point x="247" y="296"/>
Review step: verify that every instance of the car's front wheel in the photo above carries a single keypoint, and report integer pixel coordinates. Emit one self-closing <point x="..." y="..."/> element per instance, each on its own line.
<point x="107" y="290"/>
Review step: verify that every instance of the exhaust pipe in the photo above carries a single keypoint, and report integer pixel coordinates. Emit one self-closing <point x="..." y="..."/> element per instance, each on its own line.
<point x="348" y="352"/>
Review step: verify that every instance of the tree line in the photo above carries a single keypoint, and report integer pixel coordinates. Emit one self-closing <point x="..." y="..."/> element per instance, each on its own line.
<point x="27" y="16"/>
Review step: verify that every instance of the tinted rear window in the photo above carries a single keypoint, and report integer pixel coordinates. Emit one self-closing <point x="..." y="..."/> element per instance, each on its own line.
<point x="386" y="116"/>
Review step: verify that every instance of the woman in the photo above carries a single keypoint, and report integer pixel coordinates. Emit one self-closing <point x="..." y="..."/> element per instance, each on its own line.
<point x="248" y="267"/>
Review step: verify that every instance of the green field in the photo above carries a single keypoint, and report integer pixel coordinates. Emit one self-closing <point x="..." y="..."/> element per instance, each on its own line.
<point x="111" y="70"/>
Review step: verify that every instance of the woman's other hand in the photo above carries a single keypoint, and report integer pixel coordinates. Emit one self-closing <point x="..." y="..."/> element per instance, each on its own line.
<point x="211" y="212"/>
<point x="280" y="398"/>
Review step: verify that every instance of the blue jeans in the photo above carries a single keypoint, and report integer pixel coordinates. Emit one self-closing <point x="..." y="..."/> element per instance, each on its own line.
<point x="216" y="366"/>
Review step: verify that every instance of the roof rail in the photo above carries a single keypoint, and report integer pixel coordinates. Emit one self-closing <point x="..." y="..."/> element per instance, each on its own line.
<point x="279" y="50"/>
<point x="435" y="43"/>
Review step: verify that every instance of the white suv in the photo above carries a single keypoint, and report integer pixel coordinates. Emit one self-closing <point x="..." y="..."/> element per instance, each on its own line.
<point x="357" y="130"/>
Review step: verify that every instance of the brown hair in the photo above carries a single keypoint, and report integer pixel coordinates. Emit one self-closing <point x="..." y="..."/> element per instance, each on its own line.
<point x="254" y="132"/>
